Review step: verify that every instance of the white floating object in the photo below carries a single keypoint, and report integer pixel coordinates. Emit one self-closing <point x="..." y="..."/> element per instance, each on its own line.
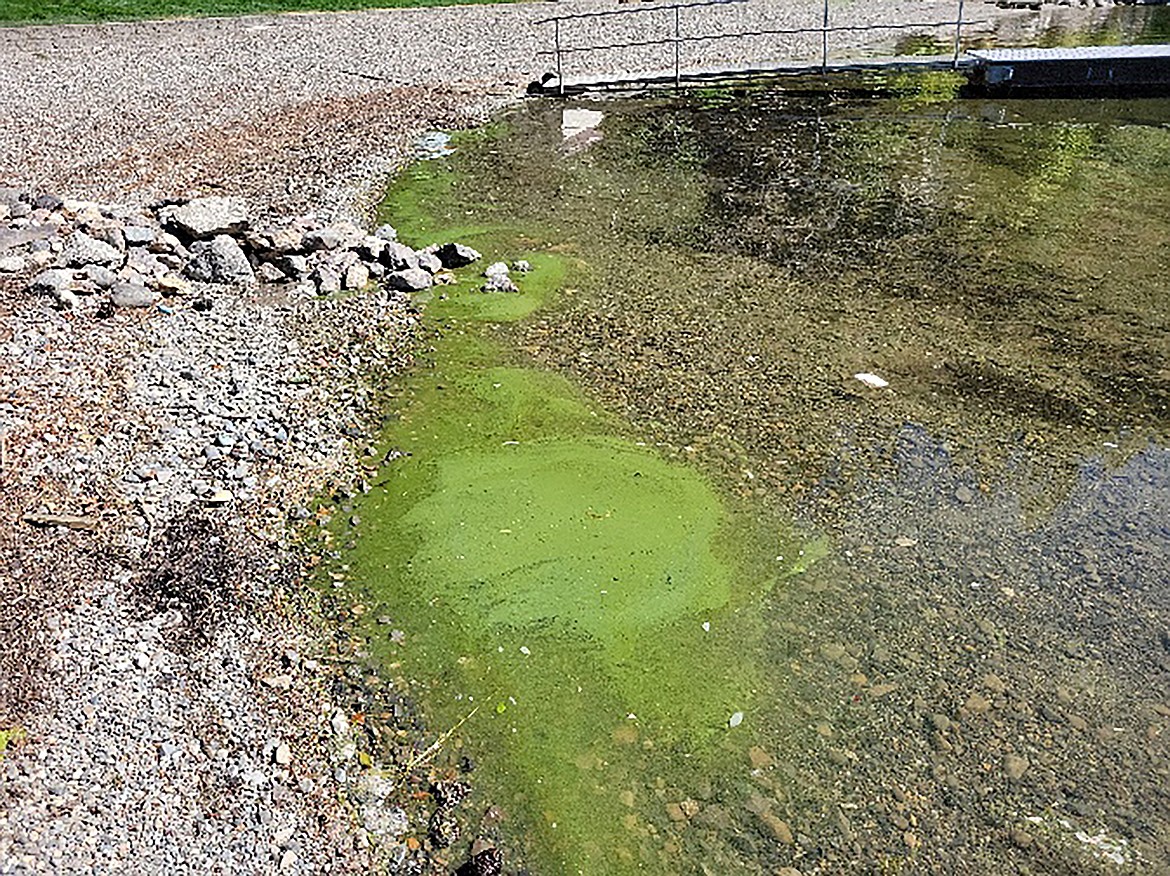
<point x="524" y="650"/>
<point x="872" y="380"/>
<point x="735" y="720"/>
<point x="577" y="121"/>
<point x="706" y="626"/>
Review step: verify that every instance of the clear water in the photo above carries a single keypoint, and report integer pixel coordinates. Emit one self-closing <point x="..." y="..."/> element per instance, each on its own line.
<point x="715" y="605"/>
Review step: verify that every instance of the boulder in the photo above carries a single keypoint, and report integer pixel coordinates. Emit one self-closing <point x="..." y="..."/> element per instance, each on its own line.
<point x="267" y="242"/>
<point x="327" y="280"/>
<point x="171" y="285"/>
<point x="108" y="231"/>
<point x="11" y="265"/>
<point x="456" y="255"/>
<point x="371" y="249"/>
<point x="270" y="273"/>
<point x="205" y="218"/>
<point x="220" y="260"/>
<point x="399" y="257"/>
<point x="47" y="201"/>
<point x="339" y="236"/>
<point x="51" y="282"/>
<point x="88" y="214"/>
<point x="142" y="260"/>
<point x="133" y="295"/>
<point x="342" y="260"/>
<point x="386" y="232"/>
<point x="10" y="196"/>
<point x="100" y="276"/>
<point x="81" y="250"/>
<point x="169" y="244"/>
<point x="296" y="266"/>
<point x="498" y="279"/>
<point x="429" y="262"/>
<point x="138" y="235"/>
<point x="410" y="280"/>
<point x="357" y="276"/>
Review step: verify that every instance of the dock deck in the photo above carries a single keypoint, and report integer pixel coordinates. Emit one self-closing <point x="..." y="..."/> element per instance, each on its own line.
<point x="649" y="47"/>
<point x="1074" y="70"/>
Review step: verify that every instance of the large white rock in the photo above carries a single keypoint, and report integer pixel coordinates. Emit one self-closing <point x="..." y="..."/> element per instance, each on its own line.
<point x="207" y="217"/>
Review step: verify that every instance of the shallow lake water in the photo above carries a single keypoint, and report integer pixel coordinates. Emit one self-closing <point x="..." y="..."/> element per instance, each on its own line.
<point x="695" y="597"/>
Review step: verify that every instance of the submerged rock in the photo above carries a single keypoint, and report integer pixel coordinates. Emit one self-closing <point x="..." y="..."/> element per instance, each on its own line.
<point x="410" y="280"/>
<point x="498" y="279"/>
<point x="456" y="255"/>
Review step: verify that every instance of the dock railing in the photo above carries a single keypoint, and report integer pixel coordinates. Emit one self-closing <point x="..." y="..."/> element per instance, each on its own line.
<point x="560" y="50"/>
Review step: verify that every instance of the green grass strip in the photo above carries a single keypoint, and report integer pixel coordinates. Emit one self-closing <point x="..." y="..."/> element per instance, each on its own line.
<point x="80" y="11"/>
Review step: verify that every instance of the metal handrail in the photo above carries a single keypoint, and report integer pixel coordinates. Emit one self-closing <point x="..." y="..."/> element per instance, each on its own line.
<point x="606" y="13"/>
<point x="677" y="39"/>
<point x="750" y="33"/>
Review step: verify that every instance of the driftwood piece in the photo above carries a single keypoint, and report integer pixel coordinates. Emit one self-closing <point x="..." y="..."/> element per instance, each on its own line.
<point x="70" y="520"/>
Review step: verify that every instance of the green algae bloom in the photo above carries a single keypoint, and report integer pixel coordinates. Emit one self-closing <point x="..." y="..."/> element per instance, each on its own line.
<point x="565" y="578"/>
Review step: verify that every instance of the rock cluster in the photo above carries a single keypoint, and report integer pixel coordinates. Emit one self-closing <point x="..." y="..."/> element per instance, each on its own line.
<point x="119" y="257"/>
<point x="231" y="410"/>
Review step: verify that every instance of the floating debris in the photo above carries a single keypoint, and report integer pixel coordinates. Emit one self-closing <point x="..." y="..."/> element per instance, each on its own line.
<point x="434" y="144"/>
<point x="735" y="720"/>
<point x="579" y="128"/>
<point x="872" y="380"/>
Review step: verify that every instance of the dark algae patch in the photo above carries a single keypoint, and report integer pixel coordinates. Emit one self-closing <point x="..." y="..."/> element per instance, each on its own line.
<point x="583" y="531"/>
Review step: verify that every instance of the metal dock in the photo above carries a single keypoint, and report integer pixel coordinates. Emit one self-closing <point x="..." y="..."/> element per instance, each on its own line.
<point x="1088" y="71"/>
<point x="691" y="43"/>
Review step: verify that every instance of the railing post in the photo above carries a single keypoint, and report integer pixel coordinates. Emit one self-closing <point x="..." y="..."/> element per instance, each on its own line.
<point x="958" y="36"/>
<point x="677" y="48"/>
<point x="557" y="42"/>
<point x="825" y="39"/>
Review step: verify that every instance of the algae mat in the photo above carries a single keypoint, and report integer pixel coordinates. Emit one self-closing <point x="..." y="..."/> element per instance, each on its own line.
<point x="570" y="589"/>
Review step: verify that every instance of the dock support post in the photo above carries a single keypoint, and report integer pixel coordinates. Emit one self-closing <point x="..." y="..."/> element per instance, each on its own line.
<point x="825" y="38"/>
<point x="958" y="36"/>
<point x="677" y="44"/>
<point x="557" y="41"/>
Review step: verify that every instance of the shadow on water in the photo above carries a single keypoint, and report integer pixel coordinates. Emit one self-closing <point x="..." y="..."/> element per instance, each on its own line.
<point x="973" y="677"/>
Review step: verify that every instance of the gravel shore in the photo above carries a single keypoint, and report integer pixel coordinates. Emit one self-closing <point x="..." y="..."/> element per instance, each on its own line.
<point x="191" y="726"/>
